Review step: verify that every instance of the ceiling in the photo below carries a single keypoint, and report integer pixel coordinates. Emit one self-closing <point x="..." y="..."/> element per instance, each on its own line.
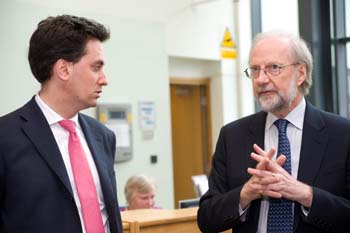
<point x="151" y="10"/>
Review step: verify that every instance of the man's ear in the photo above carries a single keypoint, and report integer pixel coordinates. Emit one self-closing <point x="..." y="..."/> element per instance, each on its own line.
<point x="62" y="69"/>
<point x="301" y="74"/>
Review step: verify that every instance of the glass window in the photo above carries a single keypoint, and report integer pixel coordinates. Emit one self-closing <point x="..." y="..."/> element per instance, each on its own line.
<point x="347" y="18"/>
<point x="348" y="60"/>
<point x="348" y="70"/>
<point x="340" y="50"/>
<point x="348" y="54"/>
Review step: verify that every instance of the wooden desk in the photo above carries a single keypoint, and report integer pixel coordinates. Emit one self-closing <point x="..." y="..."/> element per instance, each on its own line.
<point x="161" y="220"/>
<point x="126" y="227"/>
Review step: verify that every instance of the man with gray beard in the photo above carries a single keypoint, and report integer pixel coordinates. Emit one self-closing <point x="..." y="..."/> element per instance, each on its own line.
<point x="284" y="169"/>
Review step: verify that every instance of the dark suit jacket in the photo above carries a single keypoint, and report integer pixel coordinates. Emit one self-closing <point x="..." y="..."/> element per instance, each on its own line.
<point x="324" y="164"/>
<point x="35" y="192"/>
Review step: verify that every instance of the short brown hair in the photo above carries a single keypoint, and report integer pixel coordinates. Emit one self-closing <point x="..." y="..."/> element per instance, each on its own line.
<point x="61" y="37"/>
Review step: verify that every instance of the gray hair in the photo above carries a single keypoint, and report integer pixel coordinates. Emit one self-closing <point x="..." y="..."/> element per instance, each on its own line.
<point x="299" y="51"/>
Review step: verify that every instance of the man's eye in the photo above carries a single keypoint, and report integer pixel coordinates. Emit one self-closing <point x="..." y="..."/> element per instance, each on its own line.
<point x="255" y="69"/>
<point x="97" y="67"/>
<point x="273" y="67"/>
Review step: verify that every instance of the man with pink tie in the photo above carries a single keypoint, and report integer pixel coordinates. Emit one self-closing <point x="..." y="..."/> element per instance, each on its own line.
<point x="56" y="164"/>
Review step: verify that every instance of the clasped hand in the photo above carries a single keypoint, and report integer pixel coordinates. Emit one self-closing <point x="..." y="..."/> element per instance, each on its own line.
<point x="270" y="179"/>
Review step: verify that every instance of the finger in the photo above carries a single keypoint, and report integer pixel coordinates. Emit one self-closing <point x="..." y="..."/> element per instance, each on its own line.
<point x="275" y="167"/>
<point x="258" y="157"/>
<point x="272" y="194"/>
<point x="271" y="152"/>
<point x="265" y="180"/>
<point x="263" y="174"/>
<point x="269" y="180"/>
<point x="262" y="161"/>
<point x="257" y="188"/>
<point x="264" y="191"/>
<point x="255" y="172"/>
<point x="260" y="151"/>
<point x="281" y="160"/>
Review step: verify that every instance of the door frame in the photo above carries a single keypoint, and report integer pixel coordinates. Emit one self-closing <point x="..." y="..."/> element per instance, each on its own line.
<point x="206" y="83"/>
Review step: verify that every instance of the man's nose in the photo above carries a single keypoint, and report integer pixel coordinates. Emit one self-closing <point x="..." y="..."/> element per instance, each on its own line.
<point x="103" y="79"/>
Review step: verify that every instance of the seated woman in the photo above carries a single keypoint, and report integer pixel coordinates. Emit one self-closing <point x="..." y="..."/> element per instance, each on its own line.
<point x="139" y="193"/>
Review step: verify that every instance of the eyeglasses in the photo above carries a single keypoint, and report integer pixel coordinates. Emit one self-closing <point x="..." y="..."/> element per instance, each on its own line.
<point x="270" y="70"/>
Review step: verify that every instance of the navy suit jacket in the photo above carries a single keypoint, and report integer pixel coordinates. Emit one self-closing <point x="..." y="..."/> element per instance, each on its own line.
<point x="35" y="192"/>
<point x="324" y="164"/>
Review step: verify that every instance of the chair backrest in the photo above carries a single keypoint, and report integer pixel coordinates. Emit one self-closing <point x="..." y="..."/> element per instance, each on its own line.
<point x="200" y="183"/>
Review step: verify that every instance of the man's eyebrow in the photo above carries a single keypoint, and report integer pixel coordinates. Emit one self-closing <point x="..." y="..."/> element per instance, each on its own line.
<point x="99" y="62"/>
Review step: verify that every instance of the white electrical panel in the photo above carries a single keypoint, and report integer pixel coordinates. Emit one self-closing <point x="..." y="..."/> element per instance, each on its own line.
<point x="118" y="118"/>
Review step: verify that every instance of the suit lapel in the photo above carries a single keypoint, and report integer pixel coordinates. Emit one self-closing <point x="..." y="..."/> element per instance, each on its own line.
<point x="39" y="133"/>
<point x="256" y="135"/>
<point x="314" y="142"/>
<point x="95" y="143"/>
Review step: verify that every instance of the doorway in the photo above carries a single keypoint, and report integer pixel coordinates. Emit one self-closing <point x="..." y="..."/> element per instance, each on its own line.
<point x="191" y="133"/>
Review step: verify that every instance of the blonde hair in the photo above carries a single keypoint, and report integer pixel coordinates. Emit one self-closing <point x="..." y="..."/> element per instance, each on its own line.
<point x="138" y="183"/>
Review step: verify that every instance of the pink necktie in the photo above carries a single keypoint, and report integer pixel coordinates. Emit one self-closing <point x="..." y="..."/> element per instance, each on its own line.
<point x="83" y="181"/>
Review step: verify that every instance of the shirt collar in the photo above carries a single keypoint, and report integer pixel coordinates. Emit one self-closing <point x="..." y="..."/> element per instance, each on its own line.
<point x="51" y="116"/>
<point x="295" y="117"/>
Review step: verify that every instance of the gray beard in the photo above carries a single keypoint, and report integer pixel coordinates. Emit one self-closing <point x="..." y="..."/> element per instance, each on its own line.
<point x="278" y="102"/>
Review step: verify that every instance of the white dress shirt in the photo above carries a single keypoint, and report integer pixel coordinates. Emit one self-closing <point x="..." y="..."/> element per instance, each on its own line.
<point x="61" y="135"/>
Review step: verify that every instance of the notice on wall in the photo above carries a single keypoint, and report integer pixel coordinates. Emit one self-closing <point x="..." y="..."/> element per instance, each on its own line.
<point x="228" y="48"/>
<point x="147" y="118"/>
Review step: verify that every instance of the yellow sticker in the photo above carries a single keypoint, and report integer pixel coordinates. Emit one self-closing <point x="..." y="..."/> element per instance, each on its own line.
<point x="227" y="41"/>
